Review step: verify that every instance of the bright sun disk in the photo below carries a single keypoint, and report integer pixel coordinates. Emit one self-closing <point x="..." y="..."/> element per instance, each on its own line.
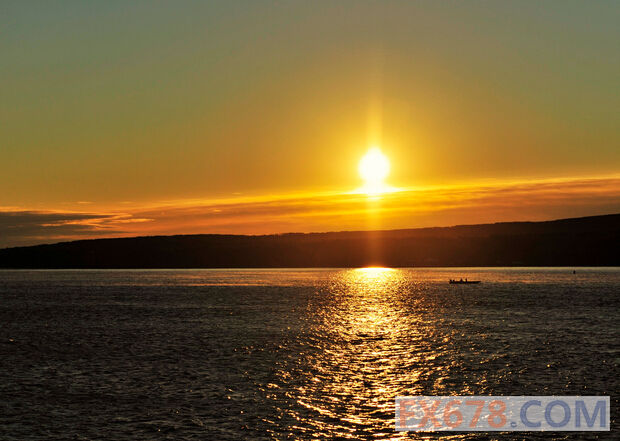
<point x="374" y="167"/>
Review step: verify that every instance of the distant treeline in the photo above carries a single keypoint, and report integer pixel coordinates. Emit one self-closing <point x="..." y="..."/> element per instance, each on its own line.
<point x="589" y="241"/>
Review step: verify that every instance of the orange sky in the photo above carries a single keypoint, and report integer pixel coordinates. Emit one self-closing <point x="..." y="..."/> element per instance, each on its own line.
<point x="124" y="119"/>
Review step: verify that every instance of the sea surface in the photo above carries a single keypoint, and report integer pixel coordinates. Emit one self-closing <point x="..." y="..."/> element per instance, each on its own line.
<point x="294" y="354"/>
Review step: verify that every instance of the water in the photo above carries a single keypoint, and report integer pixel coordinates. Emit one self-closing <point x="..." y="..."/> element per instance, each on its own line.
<point x="293" y="354"/>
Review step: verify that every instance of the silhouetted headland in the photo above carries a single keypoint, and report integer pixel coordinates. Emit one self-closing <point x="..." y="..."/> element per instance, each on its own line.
<point x="587" y="241"/>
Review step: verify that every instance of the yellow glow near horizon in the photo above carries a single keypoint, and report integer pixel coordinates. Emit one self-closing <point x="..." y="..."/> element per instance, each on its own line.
<point x="374" y="270"/>
<point x="374" y="167"/>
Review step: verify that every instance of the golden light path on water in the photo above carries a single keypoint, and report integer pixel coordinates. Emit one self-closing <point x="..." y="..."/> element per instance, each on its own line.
<point x="369" y="345"/>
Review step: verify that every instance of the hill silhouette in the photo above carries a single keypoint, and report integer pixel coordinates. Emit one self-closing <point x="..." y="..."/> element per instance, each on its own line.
<point x="587" y="241"/>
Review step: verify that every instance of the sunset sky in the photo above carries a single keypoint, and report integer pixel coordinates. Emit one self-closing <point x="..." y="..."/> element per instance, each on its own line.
<point x="175" y="117"/>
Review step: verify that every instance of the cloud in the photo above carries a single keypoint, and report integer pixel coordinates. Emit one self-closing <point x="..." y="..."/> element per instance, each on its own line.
<point x="407" y="208"/>
<point x="19" y="228"/>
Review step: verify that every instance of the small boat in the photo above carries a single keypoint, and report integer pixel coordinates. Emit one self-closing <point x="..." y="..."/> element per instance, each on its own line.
<point x="463" y="282"/>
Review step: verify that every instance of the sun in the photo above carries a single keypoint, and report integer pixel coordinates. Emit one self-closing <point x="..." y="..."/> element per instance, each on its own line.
<point x="374" y="168"/>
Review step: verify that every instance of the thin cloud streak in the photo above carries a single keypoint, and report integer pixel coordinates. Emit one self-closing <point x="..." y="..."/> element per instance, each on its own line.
<point x="21" y="228"/>
<point x="408" y="208"/>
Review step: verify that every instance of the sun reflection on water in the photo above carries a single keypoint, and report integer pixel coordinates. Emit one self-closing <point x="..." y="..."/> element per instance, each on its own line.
<point x="365" y="350"/>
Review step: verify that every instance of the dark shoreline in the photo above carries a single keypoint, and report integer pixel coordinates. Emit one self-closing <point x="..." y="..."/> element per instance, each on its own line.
<point x="587" y="241"/>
